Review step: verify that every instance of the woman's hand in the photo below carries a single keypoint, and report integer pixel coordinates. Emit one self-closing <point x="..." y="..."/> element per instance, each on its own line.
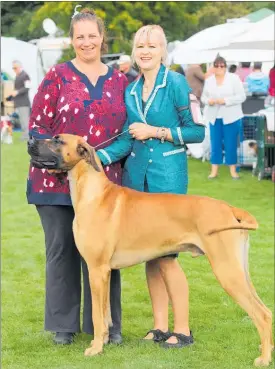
<point x="220" y="101"/>
<point x="211" y="102"/>
<point x="142" y="131"/>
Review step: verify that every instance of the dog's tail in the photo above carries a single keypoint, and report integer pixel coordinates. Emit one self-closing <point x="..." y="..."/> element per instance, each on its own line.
<point x="244" y="221"/>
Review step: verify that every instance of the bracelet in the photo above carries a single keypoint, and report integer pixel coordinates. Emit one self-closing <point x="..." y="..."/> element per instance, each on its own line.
<point x="164" y="134"/>
<point x="157" y="132"/>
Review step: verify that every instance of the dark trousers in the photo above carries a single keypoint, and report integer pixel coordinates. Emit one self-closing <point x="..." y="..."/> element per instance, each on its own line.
<point x="63" y="276"/>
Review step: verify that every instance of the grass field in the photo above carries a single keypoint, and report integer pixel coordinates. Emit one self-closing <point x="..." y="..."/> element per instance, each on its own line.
<point x="225" y="336"/>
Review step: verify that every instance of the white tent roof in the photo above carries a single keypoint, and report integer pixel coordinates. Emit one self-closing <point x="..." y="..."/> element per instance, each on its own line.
<point x="259" y="35"/>
<point x="236" y="42"/>
<point x="27" y="54"/>
<point x="216" y="36"/>
<point x="188" y="56"/>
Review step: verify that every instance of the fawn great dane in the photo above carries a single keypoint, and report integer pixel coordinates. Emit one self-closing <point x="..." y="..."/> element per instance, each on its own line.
<point x="116" y="227"/>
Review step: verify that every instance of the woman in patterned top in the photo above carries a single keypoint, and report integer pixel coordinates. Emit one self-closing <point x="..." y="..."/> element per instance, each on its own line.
<point x="82" y="97"/>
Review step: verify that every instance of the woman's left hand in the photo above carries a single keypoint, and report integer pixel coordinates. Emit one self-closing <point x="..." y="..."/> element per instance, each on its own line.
<point x="142" y="131"/>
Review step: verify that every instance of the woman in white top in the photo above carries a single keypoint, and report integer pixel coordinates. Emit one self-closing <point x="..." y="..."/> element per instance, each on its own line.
<point x="223" y="95"/>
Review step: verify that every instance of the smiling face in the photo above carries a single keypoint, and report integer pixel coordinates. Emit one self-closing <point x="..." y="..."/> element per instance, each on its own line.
<point x="87" y="40"/>
<point x="149" y="48"/>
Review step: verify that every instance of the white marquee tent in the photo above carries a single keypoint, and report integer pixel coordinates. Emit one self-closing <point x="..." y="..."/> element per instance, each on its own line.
<point x="255" y="42"/>
<point x="258" y="36"/>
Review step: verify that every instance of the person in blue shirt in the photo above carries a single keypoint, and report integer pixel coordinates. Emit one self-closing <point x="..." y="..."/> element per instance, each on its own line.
<point x="257" y="81"/>
<point x="159" y="125"/>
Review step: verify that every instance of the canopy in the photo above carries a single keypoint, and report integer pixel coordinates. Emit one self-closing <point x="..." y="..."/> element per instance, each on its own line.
<point x="215" y="37"/>
<point x="189" y="56"/>
<point x="259" y="35"/>
<point x="236" y="42"/>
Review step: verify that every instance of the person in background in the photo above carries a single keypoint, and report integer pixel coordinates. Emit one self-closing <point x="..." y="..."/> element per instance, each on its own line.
<point x="223" y="95"/>
<point x="243" y="70"/>
<point x="125" y="66"/>
<point x="160" y="125"/>
<point x="83" y="97"/>
<point x="271" y="89"/>
<point x="232" y="68"/>
<point x="20" y="96"/>
<point x="257" y="82"/>
<point x="195" y="78"/>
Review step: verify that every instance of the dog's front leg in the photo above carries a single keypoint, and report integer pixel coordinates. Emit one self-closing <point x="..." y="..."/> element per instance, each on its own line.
<point x="98" y="277"/>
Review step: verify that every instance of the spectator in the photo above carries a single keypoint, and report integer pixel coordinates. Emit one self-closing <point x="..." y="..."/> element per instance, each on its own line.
<point x="271" y="89"/>
<point x="195" y="78"/>
<point x="232" y="68"/>
<point x="223" y="95"/>
<point x="257" y="82"/>
<point x="125" y="66"/>
<point x="244" y="70"/>
<point x="20" y="97"/>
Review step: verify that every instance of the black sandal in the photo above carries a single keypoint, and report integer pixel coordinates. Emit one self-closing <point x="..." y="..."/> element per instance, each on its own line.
<point x="158" y="336"/>
<point x="183" y="341"/>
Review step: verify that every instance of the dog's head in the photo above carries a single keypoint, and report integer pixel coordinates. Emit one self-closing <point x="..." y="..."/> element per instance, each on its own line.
<point x="253" y="147"/>
<point x="61" y="153"/>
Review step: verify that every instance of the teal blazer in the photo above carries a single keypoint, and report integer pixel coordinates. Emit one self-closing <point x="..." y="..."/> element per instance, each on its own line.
<point x="162" y="165"/>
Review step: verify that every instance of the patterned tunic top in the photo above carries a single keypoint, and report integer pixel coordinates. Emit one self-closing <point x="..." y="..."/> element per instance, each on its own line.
<point x="67" y="102"/>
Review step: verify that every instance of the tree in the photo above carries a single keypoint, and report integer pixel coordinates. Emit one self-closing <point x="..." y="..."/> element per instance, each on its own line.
<point x="213" y="13"/>
<point x="16" y="17"/>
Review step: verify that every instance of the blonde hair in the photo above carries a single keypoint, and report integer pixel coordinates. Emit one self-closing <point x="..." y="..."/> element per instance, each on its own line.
<point x="147" y="30"/>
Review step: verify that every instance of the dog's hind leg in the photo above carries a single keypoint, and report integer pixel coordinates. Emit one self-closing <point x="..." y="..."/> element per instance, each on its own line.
<point x="98" y="277"/>
<point x="225" y="254"/>
<point x="246" y="267"/>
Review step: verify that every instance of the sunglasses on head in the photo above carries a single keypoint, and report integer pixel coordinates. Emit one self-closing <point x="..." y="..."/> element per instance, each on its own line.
<point x="219" y="65"/>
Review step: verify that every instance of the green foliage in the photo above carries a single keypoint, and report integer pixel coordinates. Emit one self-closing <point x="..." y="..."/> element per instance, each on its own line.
<point x="224" y="335"/>
<point x="214" y="13"/>
<point x="180" y="20"/>
<point x="16" y="17"/>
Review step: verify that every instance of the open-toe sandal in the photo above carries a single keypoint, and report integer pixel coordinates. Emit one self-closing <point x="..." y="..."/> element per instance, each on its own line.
<point x="183" y="341"/>
<point x="158" y="336"/>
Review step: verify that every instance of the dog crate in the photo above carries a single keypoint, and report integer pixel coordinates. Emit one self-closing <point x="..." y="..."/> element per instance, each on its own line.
<point x="265" y="149"/>
<point x="256" y="146"/>
<point x="247" y="147"/>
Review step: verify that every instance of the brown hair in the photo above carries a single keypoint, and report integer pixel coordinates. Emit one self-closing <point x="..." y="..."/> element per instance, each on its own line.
<point x="220" y="60"/>
<point x="90" y="15"/>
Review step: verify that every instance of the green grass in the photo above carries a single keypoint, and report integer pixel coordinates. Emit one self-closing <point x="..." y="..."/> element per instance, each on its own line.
<point x="225" y="336"/>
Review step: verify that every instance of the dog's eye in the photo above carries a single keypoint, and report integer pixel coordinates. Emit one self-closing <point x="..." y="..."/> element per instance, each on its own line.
<point x="57" y="140"/>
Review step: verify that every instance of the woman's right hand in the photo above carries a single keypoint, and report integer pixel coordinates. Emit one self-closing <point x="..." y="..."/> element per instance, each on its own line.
<point x="211" y="102"/>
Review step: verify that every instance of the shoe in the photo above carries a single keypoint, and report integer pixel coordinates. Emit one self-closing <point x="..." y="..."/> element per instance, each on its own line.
<point x="115" y="339"/>
<point x="158" y="336"/>
<point x="183" y="341"/>
<point x="63" y="338"/>
<point x="235" y="178"/>
<point x="212" y="177"/>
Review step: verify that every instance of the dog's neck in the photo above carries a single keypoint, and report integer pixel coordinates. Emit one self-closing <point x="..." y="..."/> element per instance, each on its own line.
<point x="86" y="183"/>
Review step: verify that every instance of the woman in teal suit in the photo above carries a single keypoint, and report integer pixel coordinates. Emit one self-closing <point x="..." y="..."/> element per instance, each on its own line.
<point x="159" y="125"/>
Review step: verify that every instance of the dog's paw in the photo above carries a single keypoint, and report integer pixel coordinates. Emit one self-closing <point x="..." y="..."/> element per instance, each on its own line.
<point x="260" y="361"/>
<point x="92" y="351"/>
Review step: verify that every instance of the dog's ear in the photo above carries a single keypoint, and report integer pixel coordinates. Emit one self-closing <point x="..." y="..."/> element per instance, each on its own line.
<point x="87" y="152"/>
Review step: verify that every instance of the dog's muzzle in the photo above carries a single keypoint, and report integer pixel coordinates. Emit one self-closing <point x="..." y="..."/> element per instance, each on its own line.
<point x="41" y="156"/>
